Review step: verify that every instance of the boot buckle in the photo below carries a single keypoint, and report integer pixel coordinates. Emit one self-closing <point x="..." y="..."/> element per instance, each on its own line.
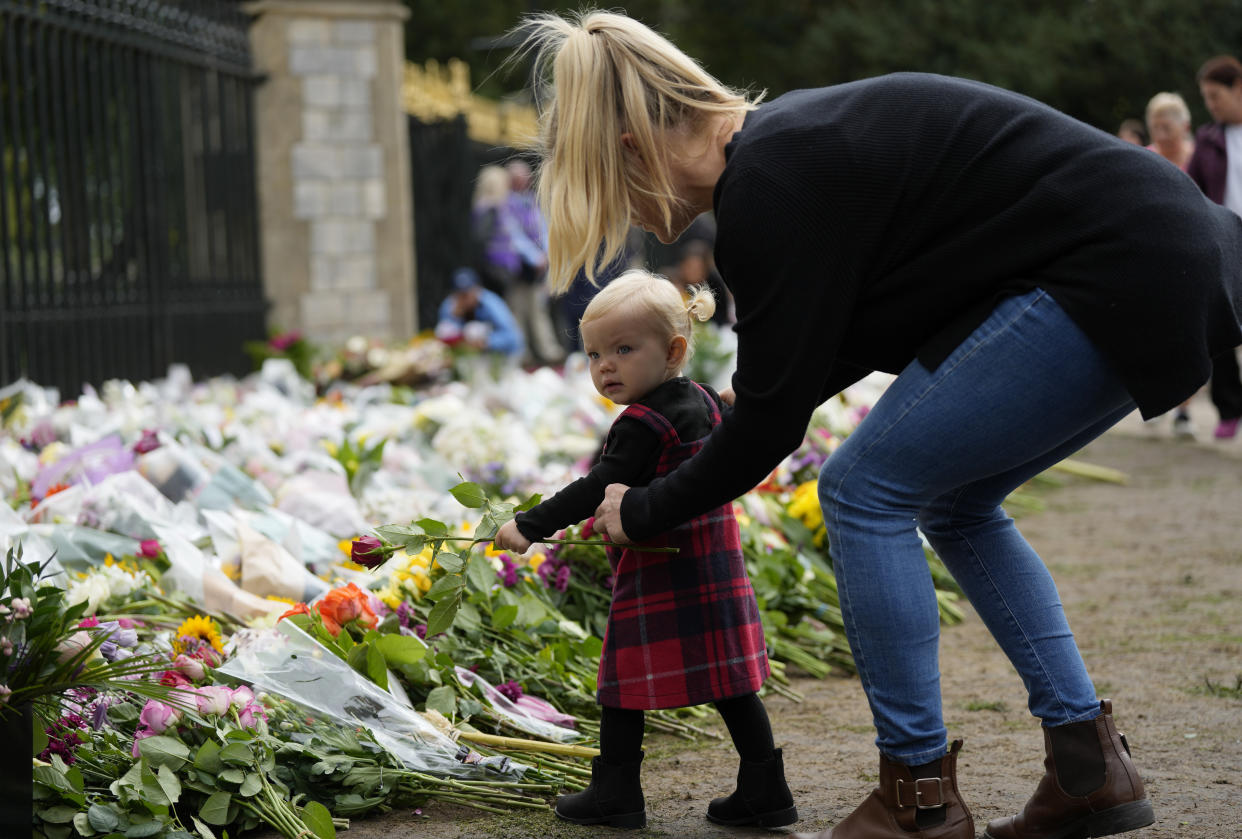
<point x="922" y="793"/>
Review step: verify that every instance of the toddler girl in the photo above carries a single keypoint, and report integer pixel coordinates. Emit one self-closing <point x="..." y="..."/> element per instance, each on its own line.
<point x="684" y="627"/>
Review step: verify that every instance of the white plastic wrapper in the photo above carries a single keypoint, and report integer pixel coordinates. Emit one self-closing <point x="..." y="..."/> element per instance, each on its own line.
<point x="515" y="713"/>
<point x="288" y="662"/>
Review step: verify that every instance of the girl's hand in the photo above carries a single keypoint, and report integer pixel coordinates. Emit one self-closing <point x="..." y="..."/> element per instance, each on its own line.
<point x="727" y="396"/>
<point x="509" y="538"/>
<point x="608" y="515"/>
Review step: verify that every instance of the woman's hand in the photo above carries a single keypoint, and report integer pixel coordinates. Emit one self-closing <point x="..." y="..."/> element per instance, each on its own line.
<point x="727" y="396"/>
<point x="509" y="538"/>
<point x="608" y="515"/>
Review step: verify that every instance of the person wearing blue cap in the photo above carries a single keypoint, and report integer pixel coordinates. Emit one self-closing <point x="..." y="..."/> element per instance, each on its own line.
<point x="477" y="317"/>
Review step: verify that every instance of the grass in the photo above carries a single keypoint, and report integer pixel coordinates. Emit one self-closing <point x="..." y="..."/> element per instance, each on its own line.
<point x="979" y="705"/>
<point x="1220" y="690"/>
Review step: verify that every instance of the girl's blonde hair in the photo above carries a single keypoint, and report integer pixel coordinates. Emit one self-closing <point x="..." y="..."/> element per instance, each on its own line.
<point x="655" y="301"/>
<point x="610" y="75"/>
<point x="1170" y="103"/>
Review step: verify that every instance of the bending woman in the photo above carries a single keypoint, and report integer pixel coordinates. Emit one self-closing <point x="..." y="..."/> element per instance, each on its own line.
<point x="1010" y="264"/>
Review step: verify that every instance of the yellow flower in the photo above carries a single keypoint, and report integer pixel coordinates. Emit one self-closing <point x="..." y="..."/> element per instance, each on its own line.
<point x="108" y="560"/>
<point x="805" y="506"/>
<point x="199" y="627"/>
<point x="536" y="560"/>
<point x="345" y="546"/>
<point x="329" y="446"/>
<point x="279" y="599"/>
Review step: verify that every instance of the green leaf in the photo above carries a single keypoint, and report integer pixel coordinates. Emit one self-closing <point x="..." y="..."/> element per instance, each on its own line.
<point x="103" y="818"/>
<point x="487" y="527"/>
<point x="144" y="829"/>
<point x="377" y="667"/>
<point x="469" y="495"/>
<point x="529" y="503"/>
<point x="237" y="754"/>
<point x="433" y="527"/>
<point x="208" y="757"/>
<point x="81" y="823"/>
<point x="357" y="658"/>
<point x="401" y="649"/>
<point x="450" y="561"/>
<point x="480" y="574"/>
<point x="233" y="775"/>
<point x="60" y="814"/>
<point x="444" y="700"/>
<point x="39" y="739"/>
<point x="251" y="785"/>
<point x="503" y="616"/>
<point x="448" y="584"/>
<point x="469" y="707"/>
<point x="215" y="809"/>
<point x="164" y="751"/>
<point x="531" y="611"/>
<point x="203" y="830"/>
<point x="151" y="790"/>
<point x="170" y="784"/>
<point x="319" y="820"/>
<point x="442" y="614"/>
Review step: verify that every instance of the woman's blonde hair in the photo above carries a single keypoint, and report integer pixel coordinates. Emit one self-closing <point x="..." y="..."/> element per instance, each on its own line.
<point x="1168" y="103"/>
<point x="655" y="301"/>
<point x="610" y="75"/>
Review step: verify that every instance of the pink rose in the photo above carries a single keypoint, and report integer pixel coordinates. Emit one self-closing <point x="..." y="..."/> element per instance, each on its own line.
<point x="241" y="697"/>
<point x="157" y="716"/>
<point x="540" y="709"/>
<point x="368" y="551"/>
<point x="213" y="700"/>
<point x="150" y="548"/>
<point x="139" y="735"/>
<point x="191" y="668"/>
<point x="251" y="715"/>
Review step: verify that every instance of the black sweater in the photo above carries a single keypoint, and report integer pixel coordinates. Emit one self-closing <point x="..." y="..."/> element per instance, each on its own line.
<point x="631" y="453"/>
<point x="868" y="224"/>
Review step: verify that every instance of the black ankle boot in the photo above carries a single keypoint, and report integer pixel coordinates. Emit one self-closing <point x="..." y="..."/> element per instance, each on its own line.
<point x="762" y="797"/>
<point x="614" y="797"/>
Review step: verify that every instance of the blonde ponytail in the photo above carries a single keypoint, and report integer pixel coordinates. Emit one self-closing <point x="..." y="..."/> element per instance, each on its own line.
<point x="611" y="75"/>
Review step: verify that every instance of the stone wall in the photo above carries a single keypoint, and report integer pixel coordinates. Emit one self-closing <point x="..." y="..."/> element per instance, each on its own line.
<point x="333" y="167"/>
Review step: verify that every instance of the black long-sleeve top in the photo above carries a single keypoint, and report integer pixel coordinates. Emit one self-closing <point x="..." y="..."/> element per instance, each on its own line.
<point x="868" y="224"/>
<point x="631" y="453"/>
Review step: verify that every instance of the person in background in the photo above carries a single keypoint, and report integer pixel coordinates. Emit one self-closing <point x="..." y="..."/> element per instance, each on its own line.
<point x="683" y="629"/>
<point x="695" y="268"/>
<point x="527" y="296"/>
<point x="1168" y="122"/>
<point x="478" y="317"/>
<point x="1133" y="131"/>
<point x="1216" y="166"/>
<point x="1008" y="263"/>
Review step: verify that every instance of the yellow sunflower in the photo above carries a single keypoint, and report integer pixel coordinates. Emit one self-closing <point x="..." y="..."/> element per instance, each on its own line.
<point x="202" y="628"/>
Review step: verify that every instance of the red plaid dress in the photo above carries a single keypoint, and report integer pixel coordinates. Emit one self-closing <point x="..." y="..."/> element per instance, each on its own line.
<point x="684" y="628"/>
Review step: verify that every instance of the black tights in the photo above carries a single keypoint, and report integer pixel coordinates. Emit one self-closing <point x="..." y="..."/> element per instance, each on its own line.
<point x="621" y="730"/>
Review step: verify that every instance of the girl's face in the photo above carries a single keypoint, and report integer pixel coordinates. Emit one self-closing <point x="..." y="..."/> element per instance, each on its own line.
<point x="1224" y="102"/>
<point x="628" y="358"/>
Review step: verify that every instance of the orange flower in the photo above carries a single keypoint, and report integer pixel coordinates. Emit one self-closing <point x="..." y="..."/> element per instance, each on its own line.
<point x="342" y="605"/>
<point x="298" y="609"/>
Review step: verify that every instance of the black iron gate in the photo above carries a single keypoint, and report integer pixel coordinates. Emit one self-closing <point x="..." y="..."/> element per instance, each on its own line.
<point x="128" y="210"/>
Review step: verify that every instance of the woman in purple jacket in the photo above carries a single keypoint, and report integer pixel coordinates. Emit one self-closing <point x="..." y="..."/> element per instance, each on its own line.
<point x="1217" y="168"/>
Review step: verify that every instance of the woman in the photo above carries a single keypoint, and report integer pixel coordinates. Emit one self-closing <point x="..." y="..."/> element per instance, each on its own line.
<point x="1168" y="122"/>
<point x="1217" y="168"/>
<point x="1009" y="263"/>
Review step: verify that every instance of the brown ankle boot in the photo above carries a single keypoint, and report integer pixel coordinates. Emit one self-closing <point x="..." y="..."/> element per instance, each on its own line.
<point x="1090" y="787"/>
<point x="902" y="807"/>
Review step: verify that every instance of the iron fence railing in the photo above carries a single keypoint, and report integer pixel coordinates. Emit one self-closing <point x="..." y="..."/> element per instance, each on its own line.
<point x="128" y="209"/>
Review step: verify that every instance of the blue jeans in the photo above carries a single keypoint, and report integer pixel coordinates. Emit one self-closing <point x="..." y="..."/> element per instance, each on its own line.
<point x="941" y="450"/>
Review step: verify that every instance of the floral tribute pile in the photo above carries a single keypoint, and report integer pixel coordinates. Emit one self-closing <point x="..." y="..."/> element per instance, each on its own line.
<point x="210" y="623"/>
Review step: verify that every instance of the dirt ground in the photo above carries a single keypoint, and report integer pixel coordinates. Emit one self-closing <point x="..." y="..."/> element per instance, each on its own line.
<point x="1151" y="576"/>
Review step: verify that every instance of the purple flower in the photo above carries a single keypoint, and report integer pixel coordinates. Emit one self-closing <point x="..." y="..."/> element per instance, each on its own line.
<point x="507" y="574"/>
<point x="421" y="631"/>
<point x="512" y="690"/>
<point x="404" y="610"/>
<point x="99" y="713"/>
<point x="562" y="578"/>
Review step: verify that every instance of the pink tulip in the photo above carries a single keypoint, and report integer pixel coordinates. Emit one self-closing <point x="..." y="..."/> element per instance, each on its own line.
<point x="540" y="709"/>
<point x="150" y="548"/>
<point x="157" y="716"/>
<point x="213" y="700"/>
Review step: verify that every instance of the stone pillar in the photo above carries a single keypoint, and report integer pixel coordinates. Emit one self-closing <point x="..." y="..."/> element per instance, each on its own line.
<point x="334" y="167"/>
